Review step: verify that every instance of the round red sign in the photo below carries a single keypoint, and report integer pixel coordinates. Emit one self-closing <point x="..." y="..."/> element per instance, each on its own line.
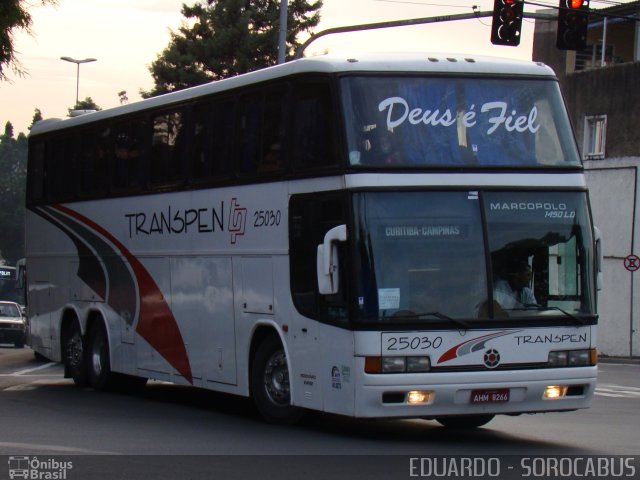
<point x="632" y="263"/>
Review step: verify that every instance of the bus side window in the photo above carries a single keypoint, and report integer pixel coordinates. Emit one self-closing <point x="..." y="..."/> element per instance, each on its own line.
<point x="37" y="177"/>
<point x="93" y="162"/>
<point x="127" y="154"/>
<point x="251" y="114"/>
<point x="212" y="145"/>
<point x="311" y="216"/>
<point x="273" y="156"/>
<point x="262" y="125"/>
<point x="62" y="160"/>
<point x="312" y="136"/>
<point x="168" y="148"/>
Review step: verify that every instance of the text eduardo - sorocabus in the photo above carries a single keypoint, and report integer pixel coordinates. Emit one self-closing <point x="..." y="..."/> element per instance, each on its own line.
<point x="176" y="221"/>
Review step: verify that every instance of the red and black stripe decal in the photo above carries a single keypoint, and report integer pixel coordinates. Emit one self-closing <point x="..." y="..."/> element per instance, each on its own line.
<point x="115" y="274"/>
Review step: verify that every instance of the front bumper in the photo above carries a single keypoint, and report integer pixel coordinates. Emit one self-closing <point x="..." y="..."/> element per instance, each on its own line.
<point x="12" y="335"/>
<point x="387" y="395"/>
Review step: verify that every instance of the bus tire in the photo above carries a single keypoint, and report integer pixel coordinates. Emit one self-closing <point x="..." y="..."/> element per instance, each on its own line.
<point x="74" y="350"/>
<point x="98" y="358"/>
<point x="465" y="421"/>
<point x="270" y="386"/>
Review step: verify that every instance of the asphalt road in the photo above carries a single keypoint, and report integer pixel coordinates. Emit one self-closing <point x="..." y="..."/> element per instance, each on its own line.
<point x="45" y="414"/>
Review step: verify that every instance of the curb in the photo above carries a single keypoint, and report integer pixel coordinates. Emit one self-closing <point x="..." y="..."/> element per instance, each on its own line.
<point x="623" y="360"/>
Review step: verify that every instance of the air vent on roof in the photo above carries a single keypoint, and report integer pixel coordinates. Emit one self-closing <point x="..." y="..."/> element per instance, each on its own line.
<point x="77" y="113"/>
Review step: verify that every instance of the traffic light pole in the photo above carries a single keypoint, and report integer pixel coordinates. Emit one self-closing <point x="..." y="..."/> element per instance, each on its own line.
<point x="405" y="23"/>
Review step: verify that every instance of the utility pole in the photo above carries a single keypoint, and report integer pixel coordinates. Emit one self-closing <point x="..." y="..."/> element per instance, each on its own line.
<point x="282" y="37"/>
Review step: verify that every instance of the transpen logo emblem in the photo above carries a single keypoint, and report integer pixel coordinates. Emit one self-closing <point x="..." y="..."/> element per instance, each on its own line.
<point x="491" y="358"/>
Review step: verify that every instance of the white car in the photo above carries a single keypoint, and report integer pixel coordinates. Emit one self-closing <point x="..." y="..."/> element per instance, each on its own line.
<point x="12" y="324"/>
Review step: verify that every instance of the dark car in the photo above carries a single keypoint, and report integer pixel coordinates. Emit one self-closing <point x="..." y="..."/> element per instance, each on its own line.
<point x="12" y="324"/>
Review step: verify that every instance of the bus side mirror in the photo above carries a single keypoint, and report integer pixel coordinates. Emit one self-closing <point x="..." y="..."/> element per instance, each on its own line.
<point x="327" y="260"/>
<point x="599" y="258"/>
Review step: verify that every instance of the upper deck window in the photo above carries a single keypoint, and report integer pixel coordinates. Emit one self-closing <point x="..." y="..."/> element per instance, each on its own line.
<point x="405" y="121"/>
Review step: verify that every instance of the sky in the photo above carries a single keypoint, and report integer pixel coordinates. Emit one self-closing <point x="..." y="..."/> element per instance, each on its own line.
<point x="126" y="36"/>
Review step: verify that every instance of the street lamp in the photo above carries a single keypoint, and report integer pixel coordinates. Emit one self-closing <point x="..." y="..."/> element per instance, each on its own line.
<point x="77" y="62"/>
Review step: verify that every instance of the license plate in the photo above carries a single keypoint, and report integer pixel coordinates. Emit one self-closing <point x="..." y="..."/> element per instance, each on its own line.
<point x="490" y="396"/>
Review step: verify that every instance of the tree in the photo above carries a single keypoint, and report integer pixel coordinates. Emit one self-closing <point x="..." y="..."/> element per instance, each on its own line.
<point x="86" y="104"/>
<point x="8" y="130"/>
<point x="37" y="116"/>
<point x="122" y="96"/>
<point x="13" y="165"/>
<point x="13" y="16"/>
<point x="225" y="38"/>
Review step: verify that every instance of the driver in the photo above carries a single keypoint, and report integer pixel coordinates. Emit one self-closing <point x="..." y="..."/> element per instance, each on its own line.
<point x="513" y="290"/>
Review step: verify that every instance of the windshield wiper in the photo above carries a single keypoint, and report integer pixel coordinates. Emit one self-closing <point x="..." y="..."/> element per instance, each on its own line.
<point x="540" y="308"/>
<point x="438" y="315"/>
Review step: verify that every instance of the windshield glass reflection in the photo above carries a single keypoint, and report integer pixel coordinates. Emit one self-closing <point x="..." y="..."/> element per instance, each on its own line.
<point x="438" y="121"/>
<point x="423" y="257"/>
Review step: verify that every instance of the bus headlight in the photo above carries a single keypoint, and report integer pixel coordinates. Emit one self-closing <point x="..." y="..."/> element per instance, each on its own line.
<point x="397" y="364"/>
<point x="573" y="358"/>
<point x="579" y="358"/>
<point x="394" y="365"/>
<point x="418" y="364"/>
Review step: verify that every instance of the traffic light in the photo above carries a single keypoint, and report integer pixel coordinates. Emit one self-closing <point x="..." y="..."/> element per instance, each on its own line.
<point x="573" y="18"/>
<point x="507" y="21"/>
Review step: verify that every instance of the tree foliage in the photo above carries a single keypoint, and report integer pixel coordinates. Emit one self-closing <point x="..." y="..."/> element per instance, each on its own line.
<point x="13" y="16"/>
<point x="224" y="38"/>
<point x="13" y="165"/>
<point x="86" y="104"/>
<point x="37" y="116"/>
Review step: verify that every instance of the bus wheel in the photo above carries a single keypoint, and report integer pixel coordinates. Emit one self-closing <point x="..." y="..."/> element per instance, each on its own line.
<point x="98" y="361"/>
<point x="465" y="421"/>
<point x="75" y="365"/>
<point x="270" y="383"/>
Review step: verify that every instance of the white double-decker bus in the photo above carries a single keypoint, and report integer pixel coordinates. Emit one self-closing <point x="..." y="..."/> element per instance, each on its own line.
<point x="400" y="236"/>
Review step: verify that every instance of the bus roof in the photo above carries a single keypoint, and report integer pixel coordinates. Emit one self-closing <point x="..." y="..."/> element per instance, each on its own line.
<point x="438" y="63"/>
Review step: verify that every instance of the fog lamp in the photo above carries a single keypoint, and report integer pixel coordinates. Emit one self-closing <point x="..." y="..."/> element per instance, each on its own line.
<point x="555" y="391"/>
<point x="416" y="397"/>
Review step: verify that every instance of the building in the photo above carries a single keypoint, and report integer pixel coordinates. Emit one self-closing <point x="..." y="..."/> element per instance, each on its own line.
<point x="601" y="85"/>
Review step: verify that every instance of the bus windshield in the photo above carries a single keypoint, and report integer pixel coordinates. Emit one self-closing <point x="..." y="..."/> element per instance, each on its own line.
<point x="424" y="257"/>
<point x="8" y="285"/>
<point x="435" y="122"/>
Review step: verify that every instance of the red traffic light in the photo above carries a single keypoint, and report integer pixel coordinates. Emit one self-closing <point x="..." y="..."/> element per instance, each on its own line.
<point x="573" y="20"/>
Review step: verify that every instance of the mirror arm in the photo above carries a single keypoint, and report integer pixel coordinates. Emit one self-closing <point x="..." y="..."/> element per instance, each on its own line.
<point x="336" y="234"/>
